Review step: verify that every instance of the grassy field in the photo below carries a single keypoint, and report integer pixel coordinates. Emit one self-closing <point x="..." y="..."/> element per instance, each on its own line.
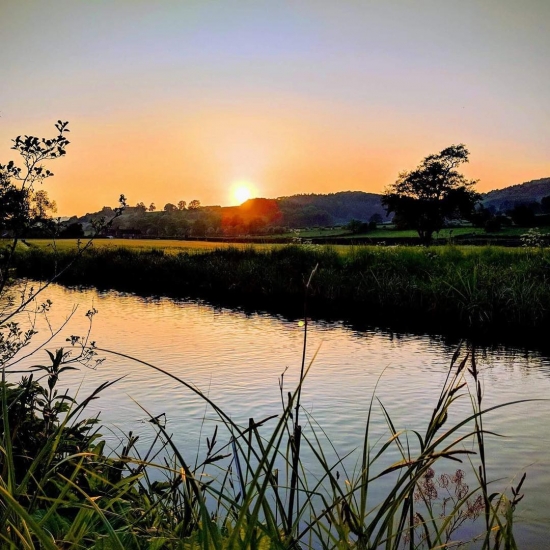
<point x="169" y="246"/>
<point x="388" y="233"/>
<point x="382" y="234"/>
<point x="445" y="234"/>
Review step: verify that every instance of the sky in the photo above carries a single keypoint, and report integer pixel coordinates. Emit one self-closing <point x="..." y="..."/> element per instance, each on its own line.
<point x="181" y="100"/>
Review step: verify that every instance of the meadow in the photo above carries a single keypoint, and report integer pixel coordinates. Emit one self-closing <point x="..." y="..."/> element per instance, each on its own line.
<point x="383" y="234"/>
<point x="168" y="246"/>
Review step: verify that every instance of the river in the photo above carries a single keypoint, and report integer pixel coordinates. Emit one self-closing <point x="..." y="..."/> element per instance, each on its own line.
<point x="237" y="360"/>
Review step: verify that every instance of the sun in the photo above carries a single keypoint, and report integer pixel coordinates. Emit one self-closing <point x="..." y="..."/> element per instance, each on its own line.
<point x="242" y="191"/>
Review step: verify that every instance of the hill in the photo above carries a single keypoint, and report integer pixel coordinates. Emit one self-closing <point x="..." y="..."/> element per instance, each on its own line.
<point x="255" y="216"/>
<point x="262" y="216"/>
<point x="330" y="209"/>
<point x="523" y="193"/>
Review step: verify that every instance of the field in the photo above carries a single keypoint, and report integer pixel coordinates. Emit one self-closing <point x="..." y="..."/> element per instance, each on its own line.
<point x="443" y="235"/>
<point x="382" y="235"/>
<point x="167" y="245"/>
<point x="388" y="233"/>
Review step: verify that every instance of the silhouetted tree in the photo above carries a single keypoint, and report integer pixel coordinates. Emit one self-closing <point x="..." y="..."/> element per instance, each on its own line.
<point x="545" y="204"/>
<point x="152" y="207"/>
<point x="256" y="225"/>
<point x="41" y="206"/>
<point x="432" y="193"/>
<point x="493" y="225"/>
<point x="523" y="216"/>
<point x="72" y="231"/>
<point x="182" y="205"/>
<point x="141" y="206"/>
<point x="18" y="194"/>
<point x="169" y="207"/>
<point x="21" y="204"/>
<point x="199" y="227"/>
<point x="355" y="226"/>
<point x="480" y="216"/>
<point x="194" y="205"/>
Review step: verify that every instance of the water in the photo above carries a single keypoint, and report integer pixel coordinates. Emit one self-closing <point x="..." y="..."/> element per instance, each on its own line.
<point x="237" y="360"/>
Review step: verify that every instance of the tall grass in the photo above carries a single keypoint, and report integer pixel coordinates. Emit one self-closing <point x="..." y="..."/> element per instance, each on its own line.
<point x="250" y="489"/>
<point x="487" y="289"/>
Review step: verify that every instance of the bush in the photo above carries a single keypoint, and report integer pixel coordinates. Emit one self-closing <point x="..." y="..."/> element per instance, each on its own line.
<point x="493" y="225"/>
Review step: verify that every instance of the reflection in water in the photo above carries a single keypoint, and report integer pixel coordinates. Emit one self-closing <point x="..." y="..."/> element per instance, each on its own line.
<point x="237" y="359"/>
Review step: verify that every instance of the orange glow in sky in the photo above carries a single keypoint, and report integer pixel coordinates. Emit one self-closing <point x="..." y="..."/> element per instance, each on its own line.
<point x="180" y="101"/>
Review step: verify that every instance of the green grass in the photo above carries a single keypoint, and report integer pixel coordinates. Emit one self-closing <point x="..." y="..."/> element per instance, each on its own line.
<point x="167" y="245"/>
<point x="316" y="232"/>
<point x="250" y="489"/>
<point x="446" y="234"/>
<point x="482" y="289"/>
<point x="388" y="233"/>
<point x="382" y="234"/>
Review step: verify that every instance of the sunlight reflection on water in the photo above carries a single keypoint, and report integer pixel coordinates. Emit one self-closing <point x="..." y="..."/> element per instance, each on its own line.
<point x="237" y="359"/>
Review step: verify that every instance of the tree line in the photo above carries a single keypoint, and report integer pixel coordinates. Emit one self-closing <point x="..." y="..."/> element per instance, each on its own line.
<point x="425" y="199"/>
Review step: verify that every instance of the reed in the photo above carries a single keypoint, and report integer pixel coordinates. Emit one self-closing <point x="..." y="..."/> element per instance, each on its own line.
<point x="61" y="487"/>
<point x="250" y="488"/>
<point x="492" y="290"/>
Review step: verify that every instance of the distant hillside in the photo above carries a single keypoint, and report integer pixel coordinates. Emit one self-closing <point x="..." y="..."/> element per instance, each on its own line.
<point x="523" y="193"/>
<point x="254" y="216"/>
<point x="262" y="216"/>
<point x="330" y="209"/>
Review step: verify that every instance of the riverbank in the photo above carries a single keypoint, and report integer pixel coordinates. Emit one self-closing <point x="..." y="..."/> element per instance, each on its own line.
<point x="464" y="290"/>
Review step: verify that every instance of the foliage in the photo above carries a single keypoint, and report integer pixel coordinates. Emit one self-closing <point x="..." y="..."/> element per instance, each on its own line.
<point x="257" y="216"/>
<point x="250" y="489"/>
<point x="22" y="205"/>
<point x="356" y="227"/>
<point x="434" y="192"/>
<point x="493" y="225"/>
<point x="448" y="288"/>
<point x="533" y="238"/>
<point x="40" y="433"/>
<point x="523" y="215"/>
<point x="72" y="231"/>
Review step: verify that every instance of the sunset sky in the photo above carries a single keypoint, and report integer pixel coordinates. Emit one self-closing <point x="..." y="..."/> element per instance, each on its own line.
<point x="172" y="100"/>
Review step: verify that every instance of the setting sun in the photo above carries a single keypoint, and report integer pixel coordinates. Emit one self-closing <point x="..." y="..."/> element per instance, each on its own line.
<point x="242" y="191"/>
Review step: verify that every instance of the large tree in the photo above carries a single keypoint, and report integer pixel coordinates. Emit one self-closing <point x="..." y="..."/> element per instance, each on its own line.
<point x="432" y="193"/>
